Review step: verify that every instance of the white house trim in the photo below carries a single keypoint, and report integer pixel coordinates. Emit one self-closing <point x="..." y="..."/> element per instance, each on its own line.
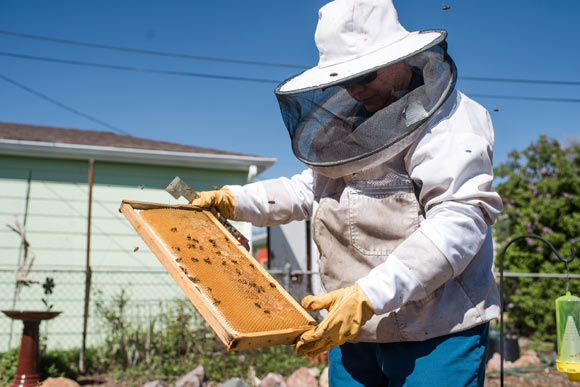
<point x="133" y="155"/>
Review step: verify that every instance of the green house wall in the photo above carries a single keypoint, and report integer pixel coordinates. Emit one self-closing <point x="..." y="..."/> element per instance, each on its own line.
<point x="56" y="229"/>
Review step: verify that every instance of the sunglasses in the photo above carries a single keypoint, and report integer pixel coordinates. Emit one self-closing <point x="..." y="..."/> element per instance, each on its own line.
<point x="362" y="80"/>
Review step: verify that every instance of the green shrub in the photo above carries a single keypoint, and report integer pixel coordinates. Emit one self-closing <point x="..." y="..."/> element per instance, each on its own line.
<point x="173" y="342"/>
<point x="540" y="190"/>
<point x="51" y="364"/>
<point x="8" y="363"/>
<point x="59" y="363"/>
<point x="165" y="346"/>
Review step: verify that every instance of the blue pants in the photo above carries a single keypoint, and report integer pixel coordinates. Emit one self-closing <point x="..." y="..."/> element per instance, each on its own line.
<point x="452" y="360"/>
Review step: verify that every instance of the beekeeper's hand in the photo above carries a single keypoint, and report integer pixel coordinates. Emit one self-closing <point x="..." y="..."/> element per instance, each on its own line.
<point x="222" y="200"/>
<point x="348" y="310"/>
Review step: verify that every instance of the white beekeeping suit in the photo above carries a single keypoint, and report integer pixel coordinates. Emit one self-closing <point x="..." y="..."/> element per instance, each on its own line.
<point x="399" y="176"/>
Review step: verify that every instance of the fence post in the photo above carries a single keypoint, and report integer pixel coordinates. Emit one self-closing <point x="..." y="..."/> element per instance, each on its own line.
<point x="287" y="276"/>
<point x="88" y="273"/>
<point x="309" y="257"/>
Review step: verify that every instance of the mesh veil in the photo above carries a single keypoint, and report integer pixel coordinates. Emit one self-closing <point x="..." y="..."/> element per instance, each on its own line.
<point x="335" y="135"/>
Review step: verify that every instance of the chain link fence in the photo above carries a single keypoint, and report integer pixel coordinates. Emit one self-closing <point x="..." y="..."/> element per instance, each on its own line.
<point x="146" y="293"/>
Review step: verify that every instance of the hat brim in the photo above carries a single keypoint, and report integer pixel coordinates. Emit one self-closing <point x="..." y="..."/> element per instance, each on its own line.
<point x="317" y="77"/>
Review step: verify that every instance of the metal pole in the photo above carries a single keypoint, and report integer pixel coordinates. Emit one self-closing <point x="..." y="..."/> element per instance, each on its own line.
<point x="287" y="276"/>
<point x="88" y="273"/>
<point x="309" y="255"/>
<point x="532" y="236"/>
<point x="270" y="255"/>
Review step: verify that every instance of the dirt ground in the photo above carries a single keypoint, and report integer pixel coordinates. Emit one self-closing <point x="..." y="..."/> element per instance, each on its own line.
<point x="107" y="381"/>
<point x="550" y="377"/>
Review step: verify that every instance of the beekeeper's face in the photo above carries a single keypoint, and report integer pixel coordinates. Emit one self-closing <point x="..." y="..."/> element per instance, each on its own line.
<point x="383" y="89"/>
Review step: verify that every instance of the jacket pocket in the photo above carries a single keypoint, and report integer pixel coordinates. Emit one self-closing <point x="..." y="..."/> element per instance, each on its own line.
<point x="381" y="215"/>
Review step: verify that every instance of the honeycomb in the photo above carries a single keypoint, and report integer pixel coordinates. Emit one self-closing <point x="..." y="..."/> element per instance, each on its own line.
<point x="247" y="299"/>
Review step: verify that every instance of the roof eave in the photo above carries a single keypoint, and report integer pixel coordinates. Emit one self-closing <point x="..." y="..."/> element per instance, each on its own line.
<point x="133" y="155"/>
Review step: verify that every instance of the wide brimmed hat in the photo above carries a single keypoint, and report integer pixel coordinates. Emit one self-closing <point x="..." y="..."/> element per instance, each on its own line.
<point x="357" y="36"/>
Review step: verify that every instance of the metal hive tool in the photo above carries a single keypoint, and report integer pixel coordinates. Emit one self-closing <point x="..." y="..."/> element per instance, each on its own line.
<point x="241" y="301"/>
<point x="178" y="188"/>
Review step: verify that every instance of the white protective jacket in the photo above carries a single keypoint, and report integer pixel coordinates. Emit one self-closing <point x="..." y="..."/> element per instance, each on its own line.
<point x="412" y="232"/>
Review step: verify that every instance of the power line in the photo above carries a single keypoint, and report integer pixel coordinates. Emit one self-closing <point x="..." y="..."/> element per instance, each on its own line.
<point x="62" y="105"/>
<point x="139" y="69"/>
<point x="257" y="63"/>
<point x="235" y="78"/>
<point x="516" y="80"/>
<point x="151" y="52"/>
<point x="525" y="98"/>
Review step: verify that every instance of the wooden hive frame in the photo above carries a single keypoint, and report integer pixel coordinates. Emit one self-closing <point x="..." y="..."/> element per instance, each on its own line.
<point x="233" y="339"/>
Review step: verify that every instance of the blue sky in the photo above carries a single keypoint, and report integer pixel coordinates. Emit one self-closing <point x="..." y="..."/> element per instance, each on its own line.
<point x="528" y="39"/>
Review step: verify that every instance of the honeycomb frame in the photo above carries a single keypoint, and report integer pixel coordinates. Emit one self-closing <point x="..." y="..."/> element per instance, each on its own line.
<point x="275" y="317"/>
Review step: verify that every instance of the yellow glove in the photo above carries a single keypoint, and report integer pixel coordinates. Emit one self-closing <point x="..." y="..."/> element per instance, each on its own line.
<point x="348" y="310"/>
<point x="222" y="200"/>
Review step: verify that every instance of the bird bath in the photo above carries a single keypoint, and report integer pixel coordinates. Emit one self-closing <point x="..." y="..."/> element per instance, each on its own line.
<point x="27" y="371"/>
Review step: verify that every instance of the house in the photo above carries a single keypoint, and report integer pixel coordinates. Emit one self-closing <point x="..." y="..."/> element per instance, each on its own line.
<point x="44" y="186"/>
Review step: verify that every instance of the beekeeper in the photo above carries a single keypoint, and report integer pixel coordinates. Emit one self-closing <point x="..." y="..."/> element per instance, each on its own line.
<point x="398" y="188"/>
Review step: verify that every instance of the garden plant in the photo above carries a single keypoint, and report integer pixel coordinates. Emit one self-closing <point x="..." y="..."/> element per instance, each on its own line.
<point x="540" y="189"/>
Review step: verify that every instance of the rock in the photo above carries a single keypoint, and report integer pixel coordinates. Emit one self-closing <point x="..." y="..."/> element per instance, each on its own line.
<point x="155" y="383"/>
<point x="235" y="382"/>
<point x="273" y="380"/>
<point x="323" y="381"/>
<point x="199" y="371"/>
<point x="189" y="380"/>
<point x="494" y="364"/>
<point x="529" y="357"/>
<point x="302" y="378"/>
<point x="314" y="372"/>
<point x="59" y="382"/>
